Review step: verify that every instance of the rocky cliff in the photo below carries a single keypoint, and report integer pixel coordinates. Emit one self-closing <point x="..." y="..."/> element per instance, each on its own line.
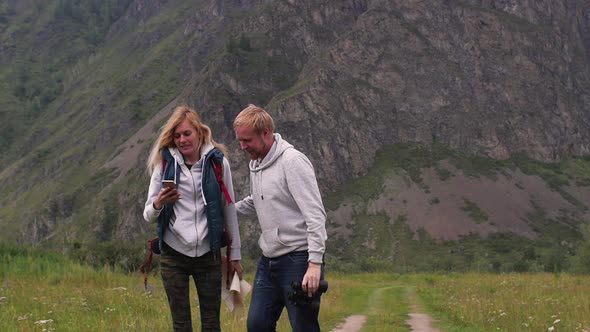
<point x="342" y="79"/>
<point x="487" y="77"/>
<point x="492" y="78"/>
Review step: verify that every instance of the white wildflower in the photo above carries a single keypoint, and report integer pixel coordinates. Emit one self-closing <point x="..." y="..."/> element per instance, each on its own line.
<point x="23" y="317"/>
<point x="43" y="321"/>
<point x="551" y="328"/>
<point x="557" y="321"/>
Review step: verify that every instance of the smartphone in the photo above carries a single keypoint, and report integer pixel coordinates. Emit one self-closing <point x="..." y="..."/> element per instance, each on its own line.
<point x="169" y="184"/>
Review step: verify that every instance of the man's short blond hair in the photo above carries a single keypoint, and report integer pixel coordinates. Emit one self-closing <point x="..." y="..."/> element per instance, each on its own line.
<point x="255" y="117"/>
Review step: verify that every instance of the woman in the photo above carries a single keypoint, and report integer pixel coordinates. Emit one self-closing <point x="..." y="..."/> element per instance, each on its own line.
<point x="191" y="213"/>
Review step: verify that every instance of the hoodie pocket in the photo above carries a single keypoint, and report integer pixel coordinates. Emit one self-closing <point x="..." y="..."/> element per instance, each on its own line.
<point x="271" y="243"/>
<point x="185" y="233"/>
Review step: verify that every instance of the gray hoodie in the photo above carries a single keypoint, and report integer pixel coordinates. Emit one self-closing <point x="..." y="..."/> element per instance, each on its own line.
<point x="285" y="196"/>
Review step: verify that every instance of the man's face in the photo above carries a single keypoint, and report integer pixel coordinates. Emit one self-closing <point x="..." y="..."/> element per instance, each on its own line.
<point x="257" y="146"/>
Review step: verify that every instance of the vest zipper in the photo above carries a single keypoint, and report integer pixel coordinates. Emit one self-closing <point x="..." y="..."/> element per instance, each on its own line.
<point x="196" y="206"/>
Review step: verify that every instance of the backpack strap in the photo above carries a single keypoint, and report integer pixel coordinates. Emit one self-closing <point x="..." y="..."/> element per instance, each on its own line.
<point x="146" y="267"/>
<point x="219" y="177"/>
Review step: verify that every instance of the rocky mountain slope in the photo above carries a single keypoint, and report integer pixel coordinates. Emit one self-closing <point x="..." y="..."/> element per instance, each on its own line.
<point x="343" y="79"/>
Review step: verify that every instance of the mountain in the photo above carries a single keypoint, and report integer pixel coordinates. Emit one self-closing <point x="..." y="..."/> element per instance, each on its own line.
<point x="413" y="90"/>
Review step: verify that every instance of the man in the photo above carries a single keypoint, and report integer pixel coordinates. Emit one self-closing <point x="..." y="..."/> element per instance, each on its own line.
<point x="285" y="196"/>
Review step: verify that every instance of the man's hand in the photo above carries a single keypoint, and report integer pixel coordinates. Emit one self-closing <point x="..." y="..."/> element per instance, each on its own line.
<point x="311" y="279"/>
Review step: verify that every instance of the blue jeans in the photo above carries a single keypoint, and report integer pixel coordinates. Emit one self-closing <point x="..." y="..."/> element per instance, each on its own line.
<point x="269" y="295"/>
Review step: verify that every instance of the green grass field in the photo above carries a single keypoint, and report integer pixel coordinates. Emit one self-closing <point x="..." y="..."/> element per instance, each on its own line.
<point x="46" y="292"/>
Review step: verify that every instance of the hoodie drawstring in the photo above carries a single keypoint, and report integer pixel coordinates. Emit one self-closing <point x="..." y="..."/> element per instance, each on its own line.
<point x="175" y="170"/>
<point x="260" y="185"/>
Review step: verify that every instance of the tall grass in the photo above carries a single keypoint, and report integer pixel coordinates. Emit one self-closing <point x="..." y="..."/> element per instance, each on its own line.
<point x="46" y="292"/>
<point x="509" y="302"/>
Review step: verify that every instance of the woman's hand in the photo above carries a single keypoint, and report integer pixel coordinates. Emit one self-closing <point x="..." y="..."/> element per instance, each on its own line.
<point x="236" y="266"/>
<point x="165" y="196"/>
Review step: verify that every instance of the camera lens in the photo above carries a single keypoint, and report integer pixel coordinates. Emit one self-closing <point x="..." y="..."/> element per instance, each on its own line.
<point x="323" y="287"/>
<point x="296" y="284"/>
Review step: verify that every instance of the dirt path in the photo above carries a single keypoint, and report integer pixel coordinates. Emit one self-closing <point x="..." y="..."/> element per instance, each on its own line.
<point x="352" y="324"/>
<point x="418" y="321"/>
<point x="421" y="323"/>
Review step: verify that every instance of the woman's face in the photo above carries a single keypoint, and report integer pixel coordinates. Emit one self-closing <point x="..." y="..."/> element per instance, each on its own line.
<point x="187" y="141"/>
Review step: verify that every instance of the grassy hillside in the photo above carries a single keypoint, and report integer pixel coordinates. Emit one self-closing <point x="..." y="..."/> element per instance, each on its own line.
<point x="423" y="208"/>
<point x="80" y="78"/>
<point x="116" y="65"/>
<point x="104" y="87"/>
<point x="43" y="40"/>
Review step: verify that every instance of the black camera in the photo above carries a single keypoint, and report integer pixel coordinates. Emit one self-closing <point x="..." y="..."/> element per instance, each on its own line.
<point x="299" y="297"/>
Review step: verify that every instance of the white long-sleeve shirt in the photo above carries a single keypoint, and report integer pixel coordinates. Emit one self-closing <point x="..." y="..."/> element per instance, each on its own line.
<point x="187" y="230"/>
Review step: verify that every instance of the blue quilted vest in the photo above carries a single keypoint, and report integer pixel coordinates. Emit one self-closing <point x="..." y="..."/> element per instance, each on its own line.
<point x="211" y="191"/>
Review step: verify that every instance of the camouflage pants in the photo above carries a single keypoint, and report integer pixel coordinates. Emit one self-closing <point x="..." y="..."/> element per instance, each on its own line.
<point x="206" y="272"/>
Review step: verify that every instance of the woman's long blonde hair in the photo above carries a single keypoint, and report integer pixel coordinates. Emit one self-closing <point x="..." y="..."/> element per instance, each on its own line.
<point x="166" y="137"/>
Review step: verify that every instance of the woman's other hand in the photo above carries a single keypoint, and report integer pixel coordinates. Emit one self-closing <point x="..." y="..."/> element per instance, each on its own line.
<point x="236" y="266"/>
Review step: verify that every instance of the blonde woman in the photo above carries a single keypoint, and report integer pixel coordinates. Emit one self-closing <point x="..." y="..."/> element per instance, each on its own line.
<point x="192" y="207"/>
